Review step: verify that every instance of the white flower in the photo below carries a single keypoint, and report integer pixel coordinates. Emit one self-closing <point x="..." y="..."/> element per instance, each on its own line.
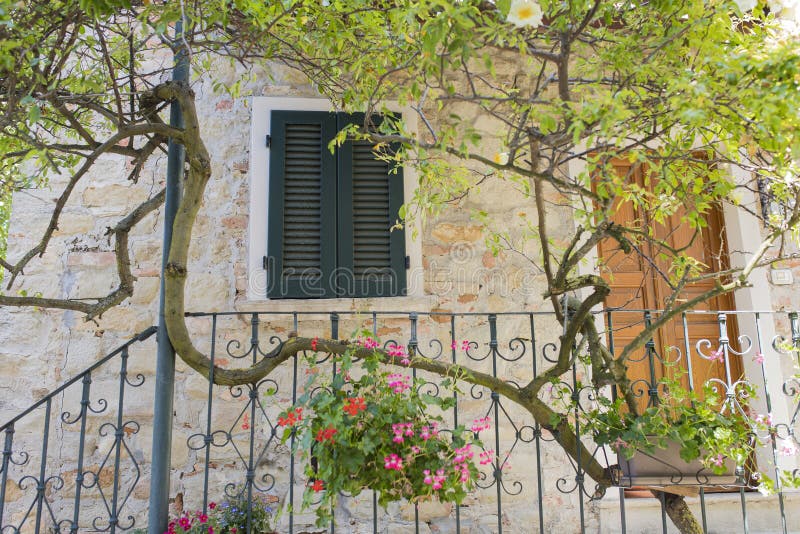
<point x="526" y="13"/>
<point x="501" y="158"/>
<point x="765" y="489"/>
<point x="746" y="5"/>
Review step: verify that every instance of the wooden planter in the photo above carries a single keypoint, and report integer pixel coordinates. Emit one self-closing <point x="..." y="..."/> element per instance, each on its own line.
<point x="665" y="467"/>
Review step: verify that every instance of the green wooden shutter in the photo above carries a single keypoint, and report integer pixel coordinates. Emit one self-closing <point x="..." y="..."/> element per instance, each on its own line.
<point x="371" y="257"/>
<point x="301" y="219"/>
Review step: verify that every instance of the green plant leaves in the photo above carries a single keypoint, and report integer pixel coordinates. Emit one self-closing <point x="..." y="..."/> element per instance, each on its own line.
<point x="702" y="426"/>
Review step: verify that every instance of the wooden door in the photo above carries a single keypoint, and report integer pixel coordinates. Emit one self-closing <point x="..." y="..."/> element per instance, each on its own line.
<point x="637" y="284"/>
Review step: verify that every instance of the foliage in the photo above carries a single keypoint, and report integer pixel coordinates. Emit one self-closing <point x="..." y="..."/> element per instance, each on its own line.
<point x="380" y="431"/>
<point x="40" y="64"/>
<point x="686" y="89"/>
<point x="702" y="425"/>
<point x="712" y="426"/>
<point x="228" y="517"/>
<point x="632" y="83"/>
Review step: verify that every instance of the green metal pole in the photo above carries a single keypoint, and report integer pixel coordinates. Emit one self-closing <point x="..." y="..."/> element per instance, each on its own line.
<point x="165" y="360"/>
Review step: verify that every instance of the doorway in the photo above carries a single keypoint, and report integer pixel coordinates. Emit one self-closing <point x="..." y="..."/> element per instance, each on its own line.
<point x="638" y="281"/>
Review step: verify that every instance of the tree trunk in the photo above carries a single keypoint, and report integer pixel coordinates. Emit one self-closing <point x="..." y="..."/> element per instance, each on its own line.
<point x="679" y="512"/>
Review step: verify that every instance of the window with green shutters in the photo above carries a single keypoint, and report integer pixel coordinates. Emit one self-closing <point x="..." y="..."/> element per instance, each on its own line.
<point x="330" y="214"/>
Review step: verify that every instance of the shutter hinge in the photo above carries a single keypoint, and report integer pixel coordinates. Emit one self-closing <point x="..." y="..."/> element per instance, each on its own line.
<point x="408" y="262"/>
<point x="264" y="262"/>
<point x="268" y="141"/>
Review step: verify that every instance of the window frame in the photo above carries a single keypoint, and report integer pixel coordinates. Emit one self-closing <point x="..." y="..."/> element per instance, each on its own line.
<point x="257" y="282"/>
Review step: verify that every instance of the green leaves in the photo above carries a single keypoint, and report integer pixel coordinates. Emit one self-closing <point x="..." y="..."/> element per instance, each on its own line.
<point x="99" y="8"/>
<point x="701" y="425"/>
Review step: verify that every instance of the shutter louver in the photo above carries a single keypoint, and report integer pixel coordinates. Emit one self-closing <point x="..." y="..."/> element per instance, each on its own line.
<point x="302" y="202"/>
<point x="371" y="219"/>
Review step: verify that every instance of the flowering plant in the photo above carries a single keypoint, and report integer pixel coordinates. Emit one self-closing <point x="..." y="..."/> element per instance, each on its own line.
<point x="227" y="517"/>
<point x="703" y="426"/>
<point x="230" y="516"/>
<point x="191" y="523"/>
<point x="380" y="432"/>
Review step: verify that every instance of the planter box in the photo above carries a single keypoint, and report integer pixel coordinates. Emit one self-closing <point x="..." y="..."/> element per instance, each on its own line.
<point x="665" y="467"/>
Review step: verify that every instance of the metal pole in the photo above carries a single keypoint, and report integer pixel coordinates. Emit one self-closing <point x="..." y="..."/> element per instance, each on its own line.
<point x="165" y="361"/>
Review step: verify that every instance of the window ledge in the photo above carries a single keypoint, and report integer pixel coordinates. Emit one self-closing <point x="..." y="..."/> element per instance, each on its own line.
<point x="378" y="304"/>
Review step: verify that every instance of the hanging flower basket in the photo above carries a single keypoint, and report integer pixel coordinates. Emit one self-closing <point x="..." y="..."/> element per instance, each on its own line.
<point x="686" y="439"/>
<point x="665" y="467"/>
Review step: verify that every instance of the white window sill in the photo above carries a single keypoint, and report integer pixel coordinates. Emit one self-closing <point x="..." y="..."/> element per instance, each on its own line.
<point x="404" y="304"/>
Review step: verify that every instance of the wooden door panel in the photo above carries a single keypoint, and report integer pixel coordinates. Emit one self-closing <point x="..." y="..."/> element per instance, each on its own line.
<point x="707" y="246"/>
<point x="632" y="283"/>
<point x="639" y="285"/>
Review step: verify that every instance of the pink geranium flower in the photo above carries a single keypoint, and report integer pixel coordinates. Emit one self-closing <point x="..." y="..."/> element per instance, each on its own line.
<point x="393" y="462"/>
<point x="483" y="423"/>
<point x="398" y="383"/>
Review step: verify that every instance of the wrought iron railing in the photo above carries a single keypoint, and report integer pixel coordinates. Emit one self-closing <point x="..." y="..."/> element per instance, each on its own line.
<point x="76" y="460"/>
<point x="50" y="487"/>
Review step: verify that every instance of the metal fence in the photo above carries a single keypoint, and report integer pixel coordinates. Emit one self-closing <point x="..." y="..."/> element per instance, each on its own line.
<point x="77" y="460"/>
<point x="48" y="472"/>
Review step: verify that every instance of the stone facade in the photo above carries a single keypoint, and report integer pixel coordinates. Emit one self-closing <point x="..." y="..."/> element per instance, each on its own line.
<point x="41" y="349"/>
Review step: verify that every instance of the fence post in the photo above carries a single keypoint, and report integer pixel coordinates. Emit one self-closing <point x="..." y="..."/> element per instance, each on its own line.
<point x="165" y="360"/>
<point x="7" y="451"/>
<point x="650" y="350"/>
